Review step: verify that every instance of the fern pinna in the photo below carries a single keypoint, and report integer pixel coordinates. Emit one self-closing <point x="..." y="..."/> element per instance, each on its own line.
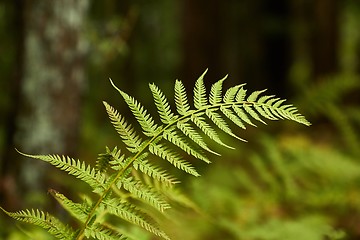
<point x="117" y="174"/>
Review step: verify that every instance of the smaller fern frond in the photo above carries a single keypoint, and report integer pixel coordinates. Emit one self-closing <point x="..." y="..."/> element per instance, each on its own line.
<point x="98" y="232"/>
<point x="117" y="160"/>
<point x="173" y="158"/>
<point x="125" y="130"/>
<point x="77" y="210"/>
<point x="162" y="105"/>
<point x="103" y="161"/>
<point x="131" y="214"/>
<point x="79" y="169"/>
<point x="44" y="220"/>
<point x="200" y="100"/>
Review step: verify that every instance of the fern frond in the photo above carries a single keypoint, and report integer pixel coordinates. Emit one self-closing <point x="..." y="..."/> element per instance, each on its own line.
<point x="103" y="161"/>
<point x="162" y="105"/>
<point x="98" y="232"/>
<point x="116" y="159"/>
<point x="77" y="210"/>
<point x="139" y="190"/>
<point x="164" y="153"/>
<point x="129" y="213"/>
<point x="181" y="101"/>
<point x="200" y="92"/>
<point x="125" y="130"/>
<point x="116" y="178"/>
<point x="44" y="220"/>
<point x="77" y="168"/>
<point x="154" y="172"/>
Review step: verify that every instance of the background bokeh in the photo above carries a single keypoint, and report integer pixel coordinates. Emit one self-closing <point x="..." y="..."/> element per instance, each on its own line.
<point x="288" y="182"/>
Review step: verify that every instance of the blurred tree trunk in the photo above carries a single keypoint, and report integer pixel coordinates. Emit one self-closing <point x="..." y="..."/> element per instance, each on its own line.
<point x="54" y="75"/>
<point x="52" y="85"/>
<point x="325" y="38"/>
<point x="201" y="38"/>
<point x="8" y="165"/>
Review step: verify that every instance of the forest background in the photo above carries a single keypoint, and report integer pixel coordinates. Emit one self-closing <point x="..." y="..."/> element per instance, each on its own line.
<point x="287" y="182"/>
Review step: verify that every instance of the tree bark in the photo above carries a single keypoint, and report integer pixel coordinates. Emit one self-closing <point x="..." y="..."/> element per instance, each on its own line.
<point x="52" y="86"/>
<point x="8" y="163"/>
<point x="201" y="39"/>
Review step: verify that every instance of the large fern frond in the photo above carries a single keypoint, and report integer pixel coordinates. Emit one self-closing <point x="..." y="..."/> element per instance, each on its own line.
<point x="116" y="179"/>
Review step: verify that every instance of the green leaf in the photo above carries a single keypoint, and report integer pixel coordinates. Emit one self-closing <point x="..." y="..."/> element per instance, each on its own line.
<point x="181" y="100"/>
<point x="253" y="96"/>
<point x="200" y="100"/>
<point x="162" y="105"/>
<point x="144" y="119"/>
<point x="126" y="132"/>
<point x="231" y="93"/>
<point x="216" y="92"/>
